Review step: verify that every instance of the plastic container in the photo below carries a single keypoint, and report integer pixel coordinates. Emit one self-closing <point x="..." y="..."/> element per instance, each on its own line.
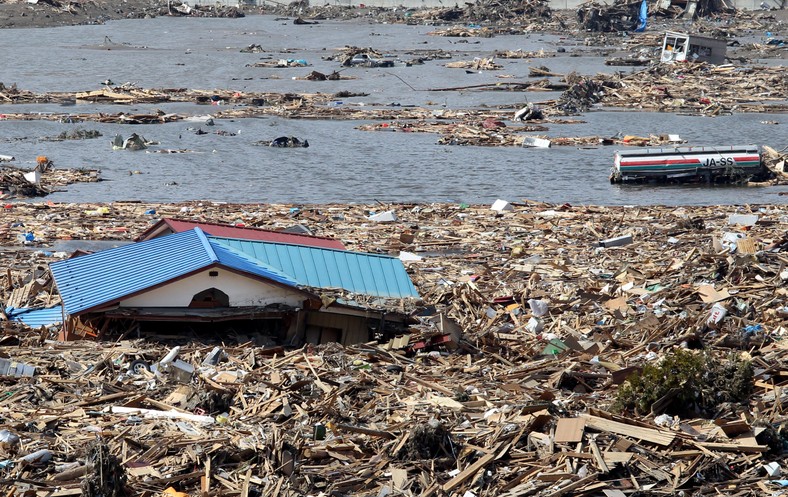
<point x="8" y="439"/>
<point x="38" y="457"/>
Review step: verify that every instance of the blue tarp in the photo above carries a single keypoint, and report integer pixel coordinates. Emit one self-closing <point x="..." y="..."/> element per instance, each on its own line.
<point x="643" y="16"/>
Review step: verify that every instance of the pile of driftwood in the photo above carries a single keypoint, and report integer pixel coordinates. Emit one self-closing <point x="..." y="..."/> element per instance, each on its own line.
<point x="507" y="10"/>
<point x="19" y="183"/>
<point x="492" y="132"/>
<point x="477" y="64"/>
<point x="499" y="12"/>
<point x="13" y="183"/>
<point x="520" y="54"/>
<point x="345" y="54"/>
<point x="562" y="317"/>
<point x="464" y="32"/>
<point x="699" y="88"/>
<point x="132" y="95"/>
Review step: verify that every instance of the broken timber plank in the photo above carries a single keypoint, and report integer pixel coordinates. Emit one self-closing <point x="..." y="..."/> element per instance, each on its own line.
<point x="473" y="468"/>
<point x="658" y="437"/>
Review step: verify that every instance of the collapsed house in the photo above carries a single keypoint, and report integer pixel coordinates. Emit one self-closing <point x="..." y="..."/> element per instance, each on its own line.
<point x="192" y="282"/>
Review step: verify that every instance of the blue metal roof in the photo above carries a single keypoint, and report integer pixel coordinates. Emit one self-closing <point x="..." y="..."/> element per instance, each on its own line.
<point x="235" y="259"/>
<point x="367" y="274"/>
<point x="103" y="277"/>
<point x="36" y="318"/>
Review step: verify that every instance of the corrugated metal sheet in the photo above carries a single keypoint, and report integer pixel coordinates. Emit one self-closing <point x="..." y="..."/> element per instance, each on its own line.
<point x="101" y="278"/>
<point x="238" y="260"/>
<point x="367" y="274"/>
<point x="95" y="279"/>
<point x="246" y="233"/>
<point x="35" y="318"/>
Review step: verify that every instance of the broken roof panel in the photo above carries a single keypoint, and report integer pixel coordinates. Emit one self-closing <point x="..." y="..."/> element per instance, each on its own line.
<point x="244" y="232"/>
<point x="93" y="280"/>
<point x="36" y="318"/>
<point x="367" y="274"/>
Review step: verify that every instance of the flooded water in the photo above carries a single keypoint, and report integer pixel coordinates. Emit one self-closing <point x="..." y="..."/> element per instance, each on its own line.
<point x="342" y="164"/>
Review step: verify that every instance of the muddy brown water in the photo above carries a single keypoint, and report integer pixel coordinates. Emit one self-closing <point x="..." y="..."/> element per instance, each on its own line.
<point x="342" y="164"/>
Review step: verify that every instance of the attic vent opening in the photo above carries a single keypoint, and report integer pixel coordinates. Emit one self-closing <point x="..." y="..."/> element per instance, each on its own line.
<point x="213" y="273"/>
<point x="210" y="298"/>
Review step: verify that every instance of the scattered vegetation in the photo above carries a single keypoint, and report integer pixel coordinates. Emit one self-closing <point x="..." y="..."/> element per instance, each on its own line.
<point x="687" y="384"/>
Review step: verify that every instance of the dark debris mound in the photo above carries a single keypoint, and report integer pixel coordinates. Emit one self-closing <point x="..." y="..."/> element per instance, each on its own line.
<point x="428" y="441"/>
<point x="621" y="16"/>
<point x="106" y="476"/>
<point x="506" y="10"/>
<point x="13" y="183"/>
<point x="581" y="95"/>
<point x="214" y="402"/>
<point x="79" y="134"/>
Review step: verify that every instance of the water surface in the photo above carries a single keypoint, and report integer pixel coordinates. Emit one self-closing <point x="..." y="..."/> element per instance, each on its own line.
<point x="343" y="164"/>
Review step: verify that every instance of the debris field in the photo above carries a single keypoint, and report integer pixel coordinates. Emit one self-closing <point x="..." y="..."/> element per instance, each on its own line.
<point x="555" y="311"/>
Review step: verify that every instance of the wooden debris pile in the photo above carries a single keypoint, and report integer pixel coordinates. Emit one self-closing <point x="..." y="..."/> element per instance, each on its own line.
<point x="490" y="132"/>
<point x="622" y="15"/>
<point x="464" y="32"/>
<point x="560" y="307"/>
<point x="508" y="11"/>
<point x="520" y="54"/>
<point x="345" y="55"/>
<point x="501" y="13"/>
<point x="13" y="183"/>
<point x="477" y="64"/>
<point x="700" y="88"/>
<point x="581" y="95"/>
<point x="301" y="9"/>
<point x="493" y="131"/>
<point x="696" y="88"/>
<point x="124" y="95"/>
<point x="19" y="183"/>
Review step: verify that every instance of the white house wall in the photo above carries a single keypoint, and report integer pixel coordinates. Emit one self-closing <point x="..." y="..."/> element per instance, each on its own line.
<point x="241" y="290"/>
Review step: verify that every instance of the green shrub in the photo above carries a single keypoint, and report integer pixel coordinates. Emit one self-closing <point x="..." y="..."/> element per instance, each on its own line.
<point x="686" y="383"/>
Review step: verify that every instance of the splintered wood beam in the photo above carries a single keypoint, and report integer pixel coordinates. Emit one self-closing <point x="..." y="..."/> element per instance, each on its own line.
<point x="473" y="468"/>
<point x="658" y="437"/>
